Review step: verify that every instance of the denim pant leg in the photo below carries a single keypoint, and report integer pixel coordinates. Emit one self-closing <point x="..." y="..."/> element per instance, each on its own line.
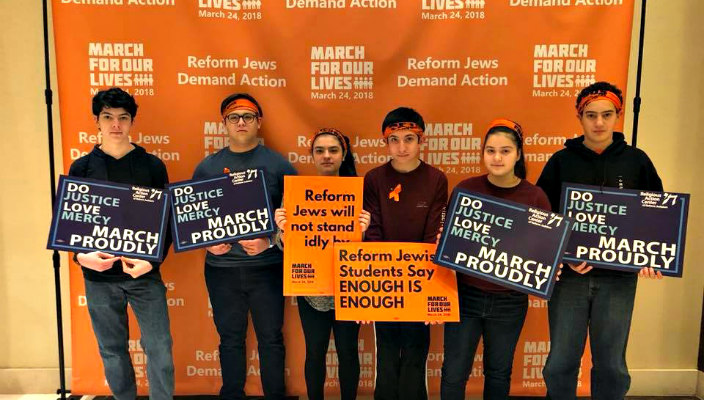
<point x="415" y="343"/>
<point x="266" y="301"/>
<point x="107" y="306"/>
<point x="388" y="360"/>
<point x="460" y="345"/>
<point x="568" y="316"/>
<point x="346" y="342"/>
<point x="147" y="297"/>
<point x="230" y="317"/>
<point x="612" y="309"/>
<point x="316" y="331"/>
<point x="502" y="328"/>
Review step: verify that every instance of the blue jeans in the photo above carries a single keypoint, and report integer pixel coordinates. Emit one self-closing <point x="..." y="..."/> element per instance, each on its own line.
<point x="498" y="317"/>
<point x="234" y="292"/>
<point x="601" y="303"/>
<point x="401" y="354"/>
<point x="107" y="306"/>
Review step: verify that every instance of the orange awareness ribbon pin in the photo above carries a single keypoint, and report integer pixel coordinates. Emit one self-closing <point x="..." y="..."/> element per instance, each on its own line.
<point x="395" y="193"/>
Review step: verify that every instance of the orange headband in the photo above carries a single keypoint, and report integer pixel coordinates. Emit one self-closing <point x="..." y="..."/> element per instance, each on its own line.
<point x="330" y="131"/>
<point x="507" y="123"/>
<point x="403" y="126"/>
<point x="601" y="95"/>
<point x="240" y="104"/>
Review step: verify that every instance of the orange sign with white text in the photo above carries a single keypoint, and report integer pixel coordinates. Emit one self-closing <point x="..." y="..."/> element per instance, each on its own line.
<point x="390" y="281"/>
<point x="320" y="211"/>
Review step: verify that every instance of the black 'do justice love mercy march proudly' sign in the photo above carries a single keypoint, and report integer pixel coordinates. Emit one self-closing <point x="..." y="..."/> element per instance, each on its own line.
<point x="625" y="229"/>
<point x="503" y="242"/>
<point x="218" y="210"/>
<point x="120" y="219"/>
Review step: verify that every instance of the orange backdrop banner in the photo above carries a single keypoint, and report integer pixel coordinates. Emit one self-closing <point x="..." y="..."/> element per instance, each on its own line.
<point x="389" y="281"/>
<point x="313" y="64"/>
<point x="320" y="211"/>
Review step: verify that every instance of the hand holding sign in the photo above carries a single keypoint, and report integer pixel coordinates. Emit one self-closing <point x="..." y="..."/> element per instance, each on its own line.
<point x="254" y="246"/>
<point x="437" y="237"/>
<point x="280" y="218"/>
<point x="364" y="219"/>
<point x="559" y="272"/>
<point x="219" y="249"/>
<point x="649" y="272"/>
<point x="135" y="267"/>
<point x="96" y="260"/>
<point x="581" y="269"/>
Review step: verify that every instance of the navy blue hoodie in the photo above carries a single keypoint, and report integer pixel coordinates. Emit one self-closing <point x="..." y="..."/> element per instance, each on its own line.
<point x="135" y="168"/>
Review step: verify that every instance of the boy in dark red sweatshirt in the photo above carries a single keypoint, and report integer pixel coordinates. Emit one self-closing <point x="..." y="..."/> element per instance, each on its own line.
<point x="406" y="198"/>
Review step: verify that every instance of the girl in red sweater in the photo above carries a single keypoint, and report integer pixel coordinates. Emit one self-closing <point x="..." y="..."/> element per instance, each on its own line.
<point x="488" y="310"/>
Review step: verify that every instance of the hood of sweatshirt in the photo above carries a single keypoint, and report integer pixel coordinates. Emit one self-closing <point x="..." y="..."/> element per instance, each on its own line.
<point x="617" y="146"/>
<point x="599" y="161"/>
<point x="97" y="164"/>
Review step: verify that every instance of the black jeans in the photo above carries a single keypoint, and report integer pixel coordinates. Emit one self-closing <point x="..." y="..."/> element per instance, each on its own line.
<point x="233" y="292"/>
<point x="316" y="329"/>
<point x="401" y="353"/>
<point x="498" y="318"/>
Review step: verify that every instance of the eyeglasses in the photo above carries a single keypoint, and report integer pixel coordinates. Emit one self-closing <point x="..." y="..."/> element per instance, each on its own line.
<point x="235" y="118"/>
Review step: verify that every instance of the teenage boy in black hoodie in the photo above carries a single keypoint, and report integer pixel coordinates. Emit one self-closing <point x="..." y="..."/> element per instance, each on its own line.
<point x="600" y="301"/>
<point x="113" y="282"/>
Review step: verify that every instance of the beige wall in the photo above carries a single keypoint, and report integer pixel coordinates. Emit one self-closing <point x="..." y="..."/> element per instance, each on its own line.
<point x="27" y="300"/>
<point x="27" y="311"/>
<point x="665" y="334"/>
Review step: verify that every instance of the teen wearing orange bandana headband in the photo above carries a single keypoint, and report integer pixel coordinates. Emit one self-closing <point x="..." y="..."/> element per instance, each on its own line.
<point x="406" y="198"/>
<point x="586" y="300"/>
<point x="246" y="276"/>
<point x="242" y="104"/>
<point x="487" y="310"/>
<point x="332" y="156"/>
<point x="607" y="95"/>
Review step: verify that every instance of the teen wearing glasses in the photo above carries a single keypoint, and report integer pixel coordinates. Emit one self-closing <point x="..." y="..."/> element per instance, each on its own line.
<point x="246" y="276"/>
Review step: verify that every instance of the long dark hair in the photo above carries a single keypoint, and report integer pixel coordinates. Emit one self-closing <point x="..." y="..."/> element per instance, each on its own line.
<point x="347" y="168"/>
<point x="516" y="136"/>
